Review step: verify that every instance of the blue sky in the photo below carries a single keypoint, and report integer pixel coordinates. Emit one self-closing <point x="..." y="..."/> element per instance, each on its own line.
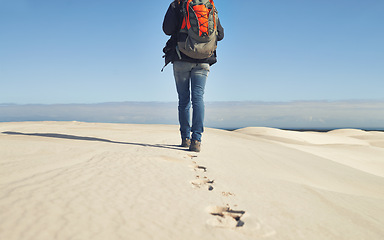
<point x="91" y="51"/>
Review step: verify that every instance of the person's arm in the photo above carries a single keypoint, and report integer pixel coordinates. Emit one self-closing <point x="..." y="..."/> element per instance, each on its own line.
<point x="171" y="19"/>
<point x="220" y="31"/>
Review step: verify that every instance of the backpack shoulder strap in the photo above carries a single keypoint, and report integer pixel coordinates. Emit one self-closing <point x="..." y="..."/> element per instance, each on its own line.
<point x="184" y="15"/>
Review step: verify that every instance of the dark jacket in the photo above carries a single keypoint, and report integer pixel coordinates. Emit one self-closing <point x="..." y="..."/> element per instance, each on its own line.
<point x="171" y="26"/>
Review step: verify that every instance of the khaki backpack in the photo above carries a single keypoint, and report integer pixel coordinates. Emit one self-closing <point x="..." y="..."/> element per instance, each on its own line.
<point x="198" y="34"/>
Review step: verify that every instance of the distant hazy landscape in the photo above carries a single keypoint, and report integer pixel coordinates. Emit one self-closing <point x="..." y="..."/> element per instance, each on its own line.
<point x="228" y="115"/>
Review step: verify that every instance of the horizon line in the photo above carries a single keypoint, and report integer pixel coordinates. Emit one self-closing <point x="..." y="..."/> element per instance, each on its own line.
<point x="226" y="101"/>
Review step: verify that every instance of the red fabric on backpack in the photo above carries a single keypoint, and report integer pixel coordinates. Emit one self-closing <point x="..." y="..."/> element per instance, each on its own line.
<point x="202" y="15"/>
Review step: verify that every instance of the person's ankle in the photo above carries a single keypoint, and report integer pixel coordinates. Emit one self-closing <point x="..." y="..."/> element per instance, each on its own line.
<point x="186" y="142"/>
<point x="195" y="146"/>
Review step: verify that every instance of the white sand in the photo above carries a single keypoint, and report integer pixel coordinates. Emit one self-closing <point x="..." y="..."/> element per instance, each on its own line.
<point x="71" y="180"/>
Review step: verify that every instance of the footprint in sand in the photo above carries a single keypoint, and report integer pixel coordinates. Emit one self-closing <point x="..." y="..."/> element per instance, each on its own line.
<point x="227" y="194"/>
<point x="197" y="167"/>
<point x="225" y="217"/>
<point x="203" y="182"/>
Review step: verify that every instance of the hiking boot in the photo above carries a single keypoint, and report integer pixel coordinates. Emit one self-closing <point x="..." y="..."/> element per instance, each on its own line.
<point x="186" y="142"/>
<point x="195" y="146"/>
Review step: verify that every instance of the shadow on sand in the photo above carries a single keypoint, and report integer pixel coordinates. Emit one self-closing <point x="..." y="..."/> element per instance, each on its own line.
<point x="73" y="137"/>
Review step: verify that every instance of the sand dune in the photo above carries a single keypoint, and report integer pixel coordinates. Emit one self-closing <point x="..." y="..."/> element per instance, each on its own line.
<point x="72" y="180"/>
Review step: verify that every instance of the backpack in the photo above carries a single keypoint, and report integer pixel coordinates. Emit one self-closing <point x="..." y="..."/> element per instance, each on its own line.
<point x="198" y="33"/>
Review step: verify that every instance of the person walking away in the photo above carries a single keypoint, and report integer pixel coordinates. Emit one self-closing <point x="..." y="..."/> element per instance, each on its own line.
<point x="194" y="28"/>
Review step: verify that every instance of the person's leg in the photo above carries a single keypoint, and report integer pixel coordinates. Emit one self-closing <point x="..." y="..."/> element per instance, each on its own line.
<point x="199" y="77"/>
<point x="182" y="74"/>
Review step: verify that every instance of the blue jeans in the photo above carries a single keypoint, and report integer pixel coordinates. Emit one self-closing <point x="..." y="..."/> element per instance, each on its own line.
<point x="190" y="81"/>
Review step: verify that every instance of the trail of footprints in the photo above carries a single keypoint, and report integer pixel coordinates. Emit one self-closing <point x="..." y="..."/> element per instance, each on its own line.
<point x="224" y="216"/>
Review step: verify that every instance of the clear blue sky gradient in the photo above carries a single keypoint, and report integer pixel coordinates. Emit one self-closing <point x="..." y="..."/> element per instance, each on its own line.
<point x="90" y="51"/>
